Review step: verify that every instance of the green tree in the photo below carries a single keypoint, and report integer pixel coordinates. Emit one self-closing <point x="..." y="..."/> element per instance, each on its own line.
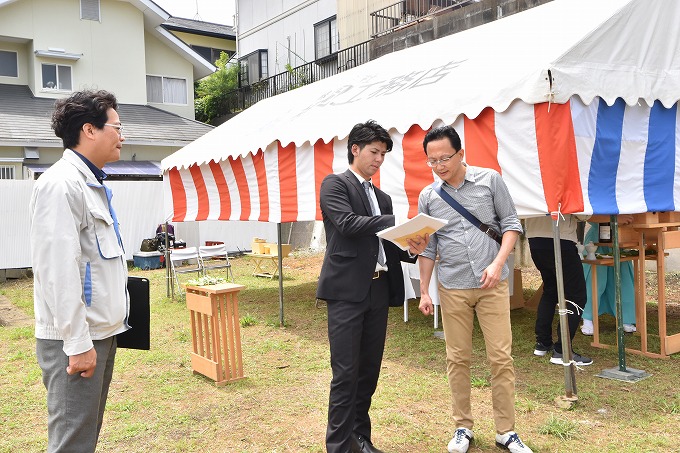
<point x="212" y="92"/>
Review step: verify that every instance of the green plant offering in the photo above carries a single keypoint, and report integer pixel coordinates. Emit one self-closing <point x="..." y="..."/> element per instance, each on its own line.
<point x="206" y="280"/>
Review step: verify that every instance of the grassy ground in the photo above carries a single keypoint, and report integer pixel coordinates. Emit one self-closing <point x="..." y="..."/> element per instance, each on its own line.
<point x="156" y="404"/>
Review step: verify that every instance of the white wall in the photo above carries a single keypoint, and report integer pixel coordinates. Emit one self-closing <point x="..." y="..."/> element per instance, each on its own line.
<point x="280" y="25"/>
<point x="14" y="223"/>
<point x="354" y="20"/>
<point x="162" y="61"/>
<point x="139" y="208"/>
<point x="112" y="49"/>
<point x="117" y="54"/>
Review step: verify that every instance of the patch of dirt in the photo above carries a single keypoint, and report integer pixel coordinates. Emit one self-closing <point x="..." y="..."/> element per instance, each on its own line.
<point x="11" y="316"/>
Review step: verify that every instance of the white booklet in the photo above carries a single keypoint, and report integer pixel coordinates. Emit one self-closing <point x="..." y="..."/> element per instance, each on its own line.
<point x="420" y="225"/>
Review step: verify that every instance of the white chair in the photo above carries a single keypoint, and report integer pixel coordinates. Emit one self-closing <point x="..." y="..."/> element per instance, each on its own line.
<point x="182" y="262"/>
<point x="411" y="273"/>
<point x="215" y="257"/>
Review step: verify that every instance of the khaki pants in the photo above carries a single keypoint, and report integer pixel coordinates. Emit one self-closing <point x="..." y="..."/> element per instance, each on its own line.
<point x="493" y="313"/>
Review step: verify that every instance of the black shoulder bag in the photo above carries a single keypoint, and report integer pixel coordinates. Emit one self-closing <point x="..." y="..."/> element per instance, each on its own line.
<point x="465" y="213"/>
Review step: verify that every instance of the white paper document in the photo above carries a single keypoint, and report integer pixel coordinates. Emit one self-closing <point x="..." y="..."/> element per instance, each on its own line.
<point x="420" y="225"/>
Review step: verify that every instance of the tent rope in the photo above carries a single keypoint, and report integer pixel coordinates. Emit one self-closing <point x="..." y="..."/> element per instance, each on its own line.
<point x="566" y="311"/>
<point x="551" y="93"/>
<point x="572" y="361"/>
<point x="558" y="213"/>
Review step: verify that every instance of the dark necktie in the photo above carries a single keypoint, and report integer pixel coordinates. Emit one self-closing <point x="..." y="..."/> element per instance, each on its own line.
<point x="374" y="211"/>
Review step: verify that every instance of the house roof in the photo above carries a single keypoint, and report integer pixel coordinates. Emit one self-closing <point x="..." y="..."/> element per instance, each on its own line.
<point x="25" y="121"/>
<point x="199" y="27"/>
<point x="127" y="168"/>
<point x="154" y="17"/>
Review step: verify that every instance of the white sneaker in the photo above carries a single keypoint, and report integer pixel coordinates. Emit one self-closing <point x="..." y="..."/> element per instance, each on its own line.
<point x="587" y="327"/>
<point x="511" y="441"/>
<point x="629" y="328"/>
<point x="461" y="441"/>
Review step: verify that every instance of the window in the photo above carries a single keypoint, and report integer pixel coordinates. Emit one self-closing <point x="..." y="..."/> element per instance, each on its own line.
<point x="210" y="54"/>
<point x="254" y="67"/>
<point x="56" y="77"/>
<point x="326" y="40"/>
<point x="9" y="66"/>
<point x="89" y="9"/>
<point x="6" y="171"/>
<point x="166" y="90"/>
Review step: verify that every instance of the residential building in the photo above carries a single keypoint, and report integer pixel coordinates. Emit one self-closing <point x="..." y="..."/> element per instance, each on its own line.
<point x="282" y="45"/>
<point x="51" y="48"/>
<point x="273" y="35"/>
<point x="207" y="39"/>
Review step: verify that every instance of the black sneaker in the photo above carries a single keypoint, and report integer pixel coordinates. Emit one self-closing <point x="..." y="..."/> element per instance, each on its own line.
<point x="578" y="359"/>
<point x="540" y="349"/>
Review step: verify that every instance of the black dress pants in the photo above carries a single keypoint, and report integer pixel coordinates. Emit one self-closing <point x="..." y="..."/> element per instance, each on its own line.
<point x="543" y="255"/>
<point x="356" y="332"/>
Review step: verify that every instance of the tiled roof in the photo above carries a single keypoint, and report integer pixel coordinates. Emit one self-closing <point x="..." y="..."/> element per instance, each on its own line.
<point x="200" y="27"/>
<point x="117" y="168"/>
<point x="25" y="120"/>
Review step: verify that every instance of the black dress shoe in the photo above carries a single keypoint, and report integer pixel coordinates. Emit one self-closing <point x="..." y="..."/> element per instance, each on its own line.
<point x="359" y="444"/>
<point x="354" y="446"/>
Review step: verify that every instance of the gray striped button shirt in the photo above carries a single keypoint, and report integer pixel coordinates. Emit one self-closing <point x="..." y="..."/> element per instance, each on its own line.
<point x="464" y="250"/>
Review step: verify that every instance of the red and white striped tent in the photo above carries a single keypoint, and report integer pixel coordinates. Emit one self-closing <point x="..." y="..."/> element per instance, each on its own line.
<point x="574" y="102"/>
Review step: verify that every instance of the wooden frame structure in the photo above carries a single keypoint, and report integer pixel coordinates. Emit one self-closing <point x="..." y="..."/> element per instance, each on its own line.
<point x="215" y="331"/>
<point x="663" y="237"/>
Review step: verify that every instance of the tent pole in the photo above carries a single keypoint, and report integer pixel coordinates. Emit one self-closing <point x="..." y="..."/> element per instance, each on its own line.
<point x="614" y="222"/>
<point x="280" y="264"/>
<point x="621" y="373"/>
<point x="168" y="273"/>
<point x="569" y="376"/>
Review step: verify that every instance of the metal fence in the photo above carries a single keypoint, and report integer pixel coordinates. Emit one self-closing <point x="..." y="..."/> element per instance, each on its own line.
<point x="305" y="74"/>
<point x="405" y="12"/>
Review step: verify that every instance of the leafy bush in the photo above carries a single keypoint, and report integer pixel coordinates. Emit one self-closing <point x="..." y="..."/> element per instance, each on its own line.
<point x="211" y="92"/>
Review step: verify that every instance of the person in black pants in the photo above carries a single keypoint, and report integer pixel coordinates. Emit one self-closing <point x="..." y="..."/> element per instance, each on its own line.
<point x="360" y="278"/>
<point x="539" y="231"/>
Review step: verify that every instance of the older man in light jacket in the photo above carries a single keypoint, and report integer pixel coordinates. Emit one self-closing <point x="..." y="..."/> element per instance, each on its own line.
<point x="80" y="271"/>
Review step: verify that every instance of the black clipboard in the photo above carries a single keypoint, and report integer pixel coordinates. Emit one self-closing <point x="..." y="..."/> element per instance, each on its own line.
<point x="139" y="318"/>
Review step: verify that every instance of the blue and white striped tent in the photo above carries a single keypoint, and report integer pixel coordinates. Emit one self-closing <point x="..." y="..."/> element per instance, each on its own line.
<point x="628" y="156"/>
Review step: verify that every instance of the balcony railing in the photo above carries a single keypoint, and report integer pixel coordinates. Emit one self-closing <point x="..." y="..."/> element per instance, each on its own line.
<point x="385" y="20"/>
<point x="305" y="74"/>
<point x="406" y="12"/>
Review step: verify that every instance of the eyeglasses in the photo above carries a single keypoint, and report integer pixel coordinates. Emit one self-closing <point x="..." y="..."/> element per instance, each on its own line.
<point x="118" y="127"/>
<point x="443" y="160"/>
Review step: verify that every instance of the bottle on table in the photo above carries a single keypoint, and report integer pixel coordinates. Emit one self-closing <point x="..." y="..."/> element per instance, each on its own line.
<point x="605" y="233"/>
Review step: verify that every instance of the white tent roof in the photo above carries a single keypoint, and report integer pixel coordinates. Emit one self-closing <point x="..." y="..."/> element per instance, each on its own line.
<point x="611" y="49"/>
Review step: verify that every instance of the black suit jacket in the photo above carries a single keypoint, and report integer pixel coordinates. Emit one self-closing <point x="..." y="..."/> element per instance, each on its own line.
<point x="351" y="243"/>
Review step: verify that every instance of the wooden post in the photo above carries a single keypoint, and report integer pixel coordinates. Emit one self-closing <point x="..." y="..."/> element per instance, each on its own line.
<point x="215" y="331"/>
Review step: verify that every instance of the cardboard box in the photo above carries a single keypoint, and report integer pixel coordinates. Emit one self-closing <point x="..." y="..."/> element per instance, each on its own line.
<point x="257" y="246"/>
<point x="669" y="217"/>
<point x="274" y="249"/>
<point x="628" y="234"/>
<point x="646" y="218"/>
<point x="517" y="296"/>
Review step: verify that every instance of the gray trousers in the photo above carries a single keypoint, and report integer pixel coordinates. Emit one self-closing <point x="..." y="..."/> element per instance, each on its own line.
<point x="75" y="405"/>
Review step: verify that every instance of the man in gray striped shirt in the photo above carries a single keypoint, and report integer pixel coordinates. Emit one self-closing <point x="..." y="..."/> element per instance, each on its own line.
<point x="472" y="280"/>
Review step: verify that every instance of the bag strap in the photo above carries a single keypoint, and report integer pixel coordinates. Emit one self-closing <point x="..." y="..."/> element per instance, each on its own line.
<point x="465" y="213"/>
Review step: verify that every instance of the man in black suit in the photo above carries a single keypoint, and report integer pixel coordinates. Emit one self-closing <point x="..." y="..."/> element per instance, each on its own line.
<point x="360" y="278"/>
